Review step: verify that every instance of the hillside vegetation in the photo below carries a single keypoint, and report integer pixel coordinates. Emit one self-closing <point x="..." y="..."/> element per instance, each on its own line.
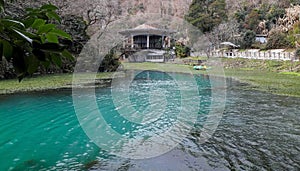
<point x="241" y="21"/>
<point x="221" y="20"/>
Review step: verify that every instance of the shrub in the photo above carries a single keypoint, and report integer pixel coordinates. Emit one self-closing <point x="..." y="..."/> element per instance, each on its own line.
<point x="182" y="51"/>
<point x="110" y="62"/>
<point x="278" y="40"/>
<point x="248" y="39"/>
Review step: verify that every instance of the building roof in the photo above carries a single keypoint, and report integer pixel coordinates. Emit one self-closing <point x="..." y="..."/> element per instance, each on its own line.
<point x="144" y="26"/>
<point x="146" y="29"/>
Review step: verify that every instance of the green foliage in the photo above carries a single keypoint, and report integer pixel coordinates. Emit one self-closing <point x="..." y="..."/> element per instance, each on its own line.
<point x="240" y="16"/>
<point x="278" y="40"/>
<point x="252" y="20"/>
<point x="291" y="73"/>
<point x="110" y="62"/>
<point x="274" y="13"/>
<point x="250" y="17"/>
<point x="295" y="2"/>
<point x="296" y="28"/>
<point x="32" y="40"/>
<point x="293" y="36"/>
<point x="248" y="39"/>
<point x="206" y="14"/>
<point x="182" y="51"/>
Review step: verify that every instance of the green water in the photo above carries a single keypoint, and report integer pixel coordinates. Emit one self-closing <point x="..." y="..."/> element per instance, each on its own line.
<point x="40" y="131"/>
<point x="258" y="131"/>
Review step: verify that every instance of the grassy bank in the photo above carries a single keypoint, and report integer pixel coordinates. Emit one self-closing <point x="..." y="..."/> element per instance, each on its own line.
<point x="276" y="83"/>
<point x="39" y="83"/>
<point x="261" y="65"/>
<point x="270" y="76"/>
<point x="278" y="77"/>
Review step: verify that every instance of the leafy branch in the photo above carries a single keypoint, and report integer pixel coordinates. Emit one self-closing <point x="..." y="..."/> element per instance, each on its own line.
<point x="32" y="40"/>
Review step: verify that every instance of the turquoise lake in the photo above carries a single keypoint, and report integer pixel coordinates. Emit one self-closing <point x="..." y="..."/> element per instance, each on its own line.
<point x="258" y="131"/>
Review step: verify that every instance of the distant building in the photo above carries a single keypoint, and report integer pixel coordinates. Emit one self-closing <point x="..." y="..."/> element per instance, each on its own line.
<point x="149" y="41"/>
<point x="261" y="38"/>
<point x="147" y="37"/>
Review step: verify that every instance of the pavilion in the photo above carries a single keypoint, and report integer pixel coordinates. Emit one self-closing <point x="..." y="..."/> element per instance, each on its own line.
<point x="147" y="37"/>
<point x="146" y="43"/>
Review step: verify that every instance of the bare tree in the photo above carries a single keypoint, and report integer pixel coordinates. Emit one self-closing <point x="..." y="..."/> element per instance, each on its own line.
<point x="96" y="13"/>
<point x="226" y="31"/>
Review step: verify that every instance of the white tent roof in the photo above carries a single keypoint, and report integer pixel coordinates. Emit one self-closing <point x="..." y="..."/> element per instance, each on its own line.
<point x="229" y="44"/>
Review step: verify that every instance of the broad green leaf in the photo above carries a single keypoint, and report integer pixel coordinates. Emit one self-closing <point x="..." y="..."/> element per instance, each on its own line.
<point x="53" y="50"/>
<point x="7" y="50"/>
<point x="33" y="14"/>
<point x="52" y="38"/>
<point x="10" y="23"/>
<point x="61" y="33"/>
<point x="19" y="62"/>
<point x="56" y="59"/>
<point x="38" y="23"/>
<point x="48" y="47"/>
<point x="67" y="55"/>
<point x="41" y="16"/>
<point x="32" y="64"/>
<point x="28" y="22"/>
<point x="53" y="15"/>
<point x="39" y="54"/>
<point x="46" y="28"/>
<point x="43" y="39"/>
<point x="49" y="7"/>
<point x="46" y="64"/>
<point x="28" y="34"/>
<point x="19" y="42"/>
<point x="23" y="36"/>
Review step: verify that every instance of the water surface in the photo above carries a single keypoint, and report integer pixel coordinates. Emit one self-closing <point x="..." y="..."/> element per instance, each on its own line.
<point x="258" y="131"/>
